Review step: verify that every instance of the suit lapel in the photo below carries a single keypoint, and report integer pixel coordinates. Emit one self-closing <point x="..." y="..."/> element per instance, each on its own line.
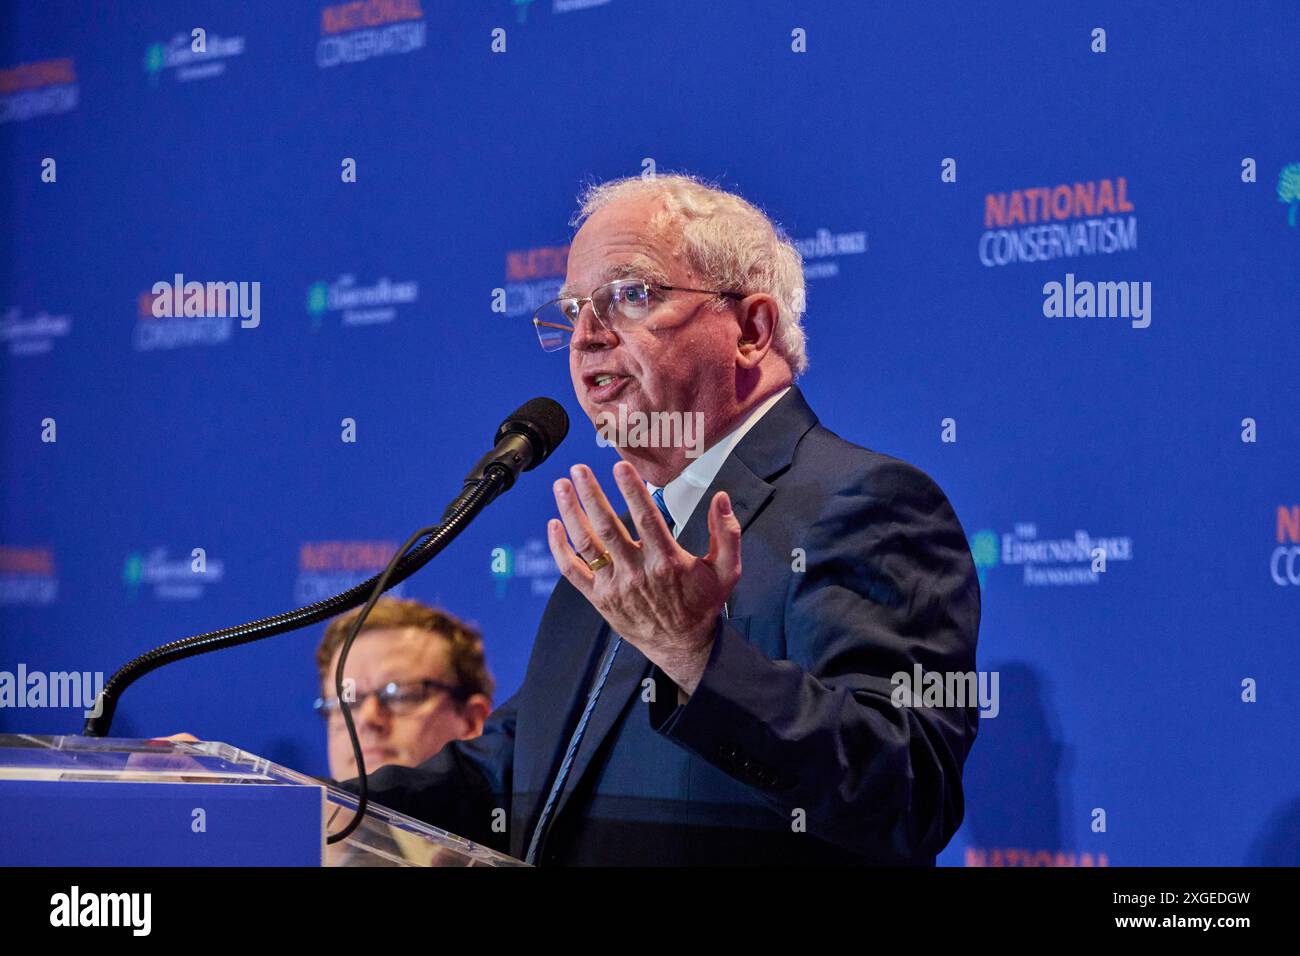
<point x="563" y="675"/>
<point x="622" y="687"/>
<point x="748" y="493"/>
<point x="630" y="667"/>
<point x="765" y="451"/>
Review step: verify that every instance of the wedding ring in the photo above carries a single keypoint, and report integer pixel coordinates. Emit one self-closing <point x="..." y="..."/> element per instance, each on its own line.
<point x="597" y="563"/>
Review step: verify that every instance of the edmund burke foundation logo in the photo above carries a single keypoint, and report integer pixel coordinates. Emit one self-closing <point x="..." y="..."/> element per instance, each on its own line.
<point x="532" y="563"/>
<point x="168" y="578"/>
<point x="194" y="56"/>
<point x="373" y="304"/>
<point x="1047" y="562"/>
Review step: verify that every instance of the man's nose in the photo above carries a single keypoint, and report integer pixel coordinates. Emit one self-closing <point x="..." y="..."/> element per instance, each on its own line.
<point x="589" y="333"/>
<point x="371" y="713"/>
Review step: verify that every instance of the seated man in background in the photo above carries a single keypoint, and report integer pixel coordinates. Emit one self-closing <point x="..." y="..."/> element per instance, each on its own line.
<point x="420" y="679"/>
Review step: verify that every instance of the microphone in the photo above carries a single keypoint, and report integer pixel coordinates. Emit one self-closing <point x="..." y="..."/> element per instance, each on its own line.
<point x="525" y="439"/>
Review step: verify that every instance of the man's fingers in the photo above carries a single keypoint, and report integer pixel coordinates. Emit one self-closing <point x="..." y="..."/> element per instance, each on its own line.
<point x="724" y="539"/>
<point x="571" y="566"/>
<point x="650" y="525"/>
<point x="601" y="516"/>
<point x="585" y="540"/>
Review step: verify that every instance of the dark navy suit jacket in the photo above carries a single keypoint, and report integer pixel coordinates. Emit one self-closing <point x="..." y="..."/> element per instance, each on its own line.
<point x="790" y="750"/>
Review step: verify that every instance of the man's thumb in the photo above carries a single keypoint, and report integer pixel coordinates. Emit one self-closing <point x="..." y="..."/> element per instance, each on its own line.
<point x="724" y="537"/>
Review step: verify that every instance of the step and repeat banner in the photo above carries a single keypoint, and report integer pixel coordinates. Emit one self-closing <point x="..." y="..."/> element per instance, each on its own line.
<point x="1053" y="260"/>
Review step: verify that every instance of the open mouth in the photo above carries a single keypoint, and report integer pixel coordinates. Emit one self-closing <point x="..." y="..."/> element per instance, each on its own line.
<point x="604" y="386"/>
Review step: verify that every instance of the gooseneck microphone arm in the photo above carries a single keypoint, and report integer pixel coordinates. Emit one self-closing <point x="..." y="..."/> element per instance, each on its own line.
<point x="469" y="505"/>
<point x="523" y="442"/>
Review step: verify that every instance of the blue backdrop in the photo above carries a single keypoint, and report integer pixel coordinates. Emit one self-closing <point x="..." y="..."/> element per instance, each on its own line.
<point x="915" y="152"/>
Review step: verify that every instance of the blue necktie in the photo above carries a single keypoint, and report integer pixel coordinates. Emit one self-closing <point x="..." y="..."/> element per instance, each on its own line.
<point x="663" y="509"/>
<point x="571" y="752"/>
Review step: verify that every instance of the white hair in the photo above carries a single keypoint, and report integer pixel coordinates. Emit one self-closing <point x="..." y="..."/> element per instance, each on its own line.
<point x="726" y="239"/>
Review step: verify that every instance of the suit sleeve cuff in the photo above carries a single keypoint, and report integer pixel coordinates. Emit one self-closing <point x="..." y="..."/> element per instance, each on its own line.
<point x="665" y="709"/>
<point x="719" y="722"/>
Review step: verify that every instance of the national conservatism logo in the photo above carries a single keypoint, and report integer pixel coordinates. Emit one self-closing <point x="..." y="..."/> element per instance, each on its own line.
<point x="326" y="568"/>
<point x="39" y="88"/>
<point x="1062" y="221"/>
<point x="354" y="32"/>
<point x="533" y="278"/>
<point x="1284" y="561"/>
<point x="27" y="576"/>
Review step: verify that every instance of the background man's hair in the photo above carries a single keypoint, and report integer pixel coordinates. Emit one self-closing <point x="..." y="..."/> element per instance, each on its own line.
<point x="468" y="664"/>
<point x="727" y="240"/>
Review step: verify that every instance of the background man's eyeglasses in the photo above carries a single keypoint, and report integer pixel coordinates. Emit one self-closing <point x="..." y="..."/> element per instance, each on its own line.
<point x="398" y="699"/>
<point x="618" y="305"/>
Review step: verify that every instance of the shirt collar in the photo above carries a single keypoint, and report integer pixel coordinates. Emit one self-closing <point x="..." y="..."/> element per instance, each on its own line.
<point x="684" y="492"/>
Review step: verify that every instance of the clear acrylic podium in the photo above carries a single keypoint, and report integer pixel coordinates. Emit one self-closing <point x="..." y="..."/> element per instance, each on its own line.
<point x="90" y="801"/>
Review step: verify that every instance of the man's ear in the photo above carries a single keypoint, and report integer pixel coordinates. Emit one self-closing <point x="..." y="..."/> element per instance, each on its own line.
<point x="474" y="712"/>
<point x="756" y="319"/>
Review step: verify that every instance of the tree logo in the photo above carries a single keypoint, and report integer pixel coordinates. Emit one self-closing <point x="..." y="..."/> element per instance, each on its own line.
<point x="984" y="551"/>
<point x="318" y="300"/>
<point x="1288" y="190"/>
<point x="154" y="60"/>
<point x="133" y="573"/>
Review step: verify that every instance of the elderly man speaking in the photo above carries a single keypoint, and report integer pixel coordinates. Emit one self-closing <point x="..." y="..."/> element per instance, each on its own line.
<point x="682" y="706"/>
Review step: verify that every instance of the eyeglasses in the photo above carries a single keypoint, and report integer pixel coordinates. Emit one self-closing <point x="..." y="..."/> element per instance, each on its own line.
<point x="397" y="699"/>
<point x="618" y="305"/>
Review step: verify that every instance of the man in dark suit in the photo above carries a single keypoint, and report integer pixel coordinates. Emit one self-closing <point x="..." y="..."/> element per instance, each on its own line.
<point x="678" y="709"/>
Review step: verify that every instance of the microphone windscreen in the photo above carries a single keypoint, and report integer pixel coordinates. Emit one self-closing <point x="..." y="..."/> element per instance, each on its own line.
<point x="544" y="421"/>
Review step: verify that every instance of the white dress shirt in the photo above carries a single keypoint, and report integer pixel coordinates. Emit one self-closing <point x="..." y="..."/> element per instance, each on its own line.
<point x="684" y="492"/>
